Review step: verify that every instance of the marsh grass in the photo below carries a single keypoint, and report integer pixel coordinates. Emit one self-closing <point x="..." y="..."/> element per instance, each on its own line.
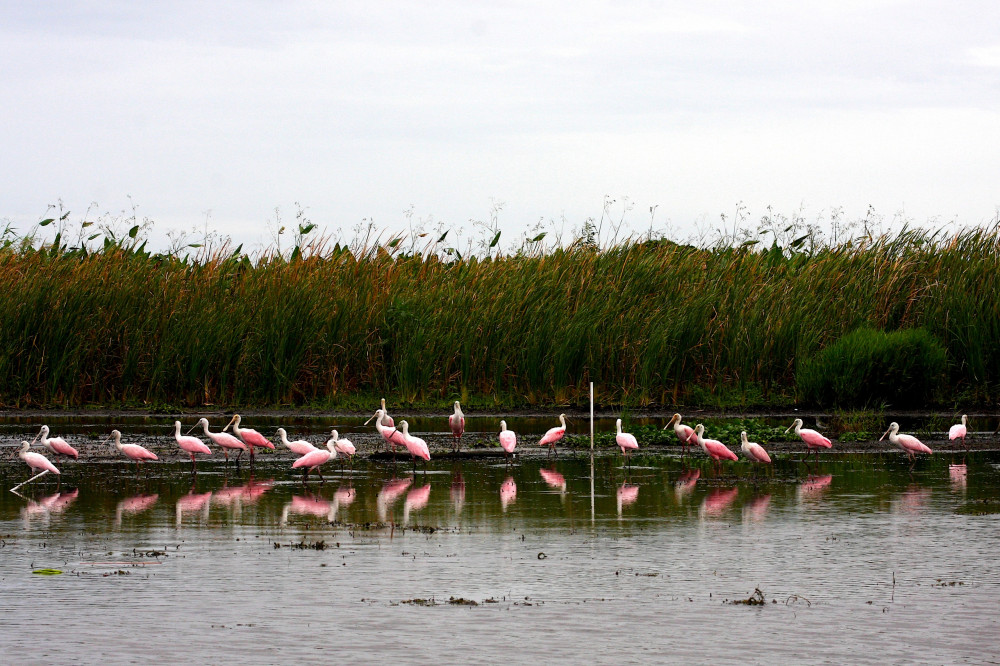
<point x="649" y="322"/>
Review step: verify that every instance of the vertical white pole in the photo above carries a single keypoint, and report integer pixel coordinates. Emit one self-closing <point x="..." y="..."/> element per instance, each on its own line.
<point x="591" y="417"/>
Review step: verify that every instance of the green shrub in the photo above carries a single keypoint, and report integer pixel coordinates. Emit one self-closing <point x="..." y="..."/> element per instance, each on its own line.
<point x="872" y="368"/>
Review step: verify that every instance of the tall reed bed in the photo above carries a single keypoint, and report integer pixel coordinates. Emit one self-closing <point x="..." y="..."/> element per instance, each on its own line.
<point x="646" y="321"/>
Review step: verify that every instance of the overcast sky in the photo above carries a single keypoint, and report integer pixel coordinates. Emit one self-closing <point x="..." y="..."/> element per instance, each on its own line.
<point x="361" y="111"/>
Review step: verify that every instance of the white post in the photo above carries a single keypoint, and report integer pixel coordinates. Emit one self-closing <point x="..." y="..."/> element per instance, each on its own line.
<point x="40" y="474"/>
<point x="591" y="453"/>
<point x="591" y="417"/>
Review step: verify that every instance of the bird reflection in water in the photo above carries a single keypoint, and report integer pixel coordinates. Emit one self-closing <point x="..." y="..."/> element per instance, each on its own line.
<point x="626" y="495"/>
<point x="813" y="487"/>
<point x="959" y="477"/>
<point x="390" y="493"/>
<point x="193" y="503"/>
<point x="755" y="510"/>
<point x="133" y="505"/>
<point x="717" y="501"/>
<point x="508" y="493"/>
<point x="686" y="483"/>
<point x="457" y="490"/>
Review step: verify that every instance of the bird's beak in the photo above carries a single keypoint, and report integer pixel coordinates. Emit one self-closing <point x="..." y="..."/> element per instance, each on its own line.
<point x="370" y="420"/>
<point x="32" y="443"/>
<point x="789" y="427"/>
<point x="191" y="428"/>
<point x="231" y="422"/>
<point x="883" y="436"/>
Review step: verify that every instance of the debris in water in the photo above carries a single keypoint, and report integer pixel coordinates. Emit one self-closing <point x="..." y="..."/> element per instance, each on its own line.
<point x="47" y="572"/>
<point x="755" y="599"/>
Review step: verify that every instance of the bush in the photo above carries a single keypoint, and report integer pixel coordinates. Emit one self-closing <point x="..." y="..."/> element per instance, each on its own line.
<point x="875" y="368"/>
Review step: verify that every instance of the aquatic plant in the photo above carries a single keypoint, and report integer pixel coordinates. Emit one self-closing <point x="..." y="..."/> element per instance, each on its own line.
<point x="334" y="325"/>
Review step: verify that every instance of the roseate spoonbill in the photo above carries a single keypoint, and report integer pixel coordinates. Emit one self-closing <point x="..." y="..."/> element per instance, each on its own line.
<point x="384" y="419"/>
<point x="416" y="446"/>
<point x="314" y="459"/>
<point x="626" y="442"/>
<point x="392" y="436"/>
<point x="508" y="440"/>
<point x="753" y="450"/>
<point x="959" y="431"/>
<point x="57" y="445"/>
<point x="908" y="443"/>
<point x="191" y="445"/>
<point x="132" y="451"/>
<point x="684" y="433"/>
<point x="457" y="424"/>
<point x="299" y="447"/>
<point x="36" y="461"/>
<point x="250" y="437"/>
<point x="223" y="440"/>
<point x="508" y="493"/>
<point x="814" y="441"/>
<point x="343" y="446"/>
<point x="554" y="435"/>
<point x="713" y="448"/>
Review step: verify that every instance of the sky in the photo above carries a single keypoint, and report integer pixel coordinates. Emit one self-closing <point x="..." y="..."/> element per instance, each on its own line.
<point x="438" y="114"/>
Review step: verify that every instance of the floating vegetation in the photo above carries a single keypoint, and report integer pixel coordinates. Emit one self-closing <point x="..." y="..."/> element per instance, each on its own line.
<point x="755" y="599"/>
<point x="47" y="572"/>
<point x="983" y="507"/>
<point x="303" y="545"/>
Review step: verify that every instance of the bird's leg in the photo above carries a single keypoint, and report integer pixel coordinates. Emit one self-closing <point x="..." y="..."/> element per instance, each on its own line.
<point x="194" y="465"/>
<point x="305" y="475"/>
<point x="321" y="479"/>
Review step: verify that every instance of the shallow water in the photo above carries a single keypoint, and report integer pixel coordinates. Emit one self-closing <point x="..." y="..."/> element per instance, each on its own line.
<point x="859" y="558"/>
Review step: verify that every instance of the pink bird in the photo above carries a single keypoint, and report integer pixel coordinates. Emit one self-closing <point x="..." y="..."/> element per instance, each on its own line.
<point x="342" y="445"/>
<point x="57" y="445"/>
<point x="223" y="440"/>
<point x="713" y="448"/>
<point x="392" y="436"/>
<point x="299" y="447"/>
<point x="554" y="435"/>
<point x="314" y="459"/>
<point x="959" y="431"/>
<point x="132" y="451"/>
<point x="753" y="450"/>
<point x="814" y="441"/>
<point x="626" y="442"/>
<point x="908" y="443"/>
<point x="684" y="433"/>
<point x="508" y="440"/>
<point x="250" y="437"/>
<point x="383" y="416"/>
<point x="457" y="424"/>
<point x="191" y="445"/>
<point x="416" y="446"/>
<point x="36" y="461"/>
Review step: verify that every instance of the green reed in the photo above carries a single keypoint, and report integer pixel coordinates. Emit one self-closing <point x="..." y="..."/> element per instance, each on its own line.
<point x="648" y="322"/>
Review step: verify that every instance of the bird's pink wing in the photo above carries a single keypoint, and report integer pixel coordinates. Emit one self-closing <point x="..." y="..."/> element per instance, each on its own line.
<point x="38" y="461"/>
<point x="312" y="459"/>
<point x="688" y="436"/>
<point x="136" y="452"/>
<point x="553" y="435"/>
<point x="60" y="446"/>
<point x="913" y="444"/>
<point x="957" y="431"/>
<point x="508" y="440"/>
<point x="627" y="441"/>
<point x="814" y="439"/>
<point x="717" y="449"/>
<point x="758" y="452"/>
